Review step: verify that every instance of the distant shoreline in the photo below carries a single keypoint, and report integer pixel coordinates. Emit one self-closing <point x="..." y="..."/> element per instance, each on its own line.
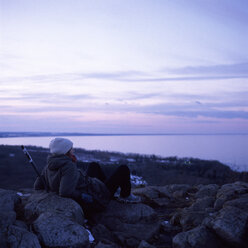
<point x="50" y="134"/>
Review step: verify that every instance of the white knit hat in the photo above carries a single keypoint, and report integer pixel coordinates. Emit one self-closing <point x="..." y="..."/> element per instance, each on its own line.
<point x="60" y="146"/>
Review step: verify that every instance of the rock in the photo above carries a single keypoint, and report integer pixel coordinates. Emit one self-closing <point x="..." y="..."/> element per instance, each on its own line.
<point x="162" y="202"/>
<point x="42" y="202"/>
<point x="130" y="213"/>
<point x="101" y="233"/>
<point x="179" y="190"/>
<point x="105" y="245"/>
<point x="241" y="203"/>
<point x="207" y="190"/>
<point x="199" y="237"/>
<point x="190" y="219"/>
<point x="202" y="203"/>
<point x="230" y="225"/>
<point x="153" y="192"/>
<point x="148" y="193"/>
<point x="130" y="223"/>
<point x="21" y="224"/>
<point x="144" y="244"/>
<point x="175" y="218"/>
<point x="229" y="192"/>
<point x="168" y="197"/>
<point x="19" y="237"/>
<point x="167" y="228"/>
<point x="57" y="231"/>
<point x="6" y="219"/>
<point x="8" y="200"/>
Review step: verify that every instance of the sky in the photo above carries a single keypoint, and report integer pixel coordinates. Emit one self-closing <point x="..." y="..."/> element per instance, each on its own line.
<point x="112" y="66"/>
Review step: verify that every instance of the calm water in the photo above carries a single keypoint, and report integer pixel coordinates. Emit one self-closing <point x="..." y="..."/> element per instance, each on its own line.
<point x="229" y="149"/>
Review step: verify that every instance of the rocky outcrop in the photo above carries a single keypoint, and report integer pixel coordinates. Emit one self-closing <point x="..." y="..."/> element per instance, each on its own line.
<point x="225" y="222"/>
<point x="20" y="237"/>
<point x="179" y="216"/>
<point x="198" y="237"/>
<point x="42" y="202"/>
<point x="11" y="233"/>
<point x="130" y="223"/>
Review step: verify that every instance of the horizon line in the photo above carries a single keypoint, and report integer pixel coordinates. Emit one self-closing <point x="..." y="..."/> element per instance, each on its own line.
<point x="6" y="134"/>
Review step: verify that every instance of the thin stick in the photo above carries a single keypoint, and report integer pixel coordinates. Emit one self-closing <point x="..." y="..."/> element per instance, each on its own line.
<point x="34" y="166"/>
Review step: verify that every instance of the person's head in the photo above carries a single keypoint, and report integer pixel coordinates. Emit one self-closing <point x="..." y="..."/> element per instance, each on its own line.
<point x="60" y="146"/>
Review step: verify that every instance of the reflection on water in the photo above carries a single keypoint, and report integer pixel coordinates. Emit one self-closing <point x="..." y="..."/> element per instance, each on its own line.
<point x="229" y="149"/>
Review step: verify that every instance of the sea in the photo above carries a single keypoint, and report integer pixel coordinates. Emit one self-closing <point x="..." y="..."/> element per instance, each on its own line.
<point x="231" y="150"/>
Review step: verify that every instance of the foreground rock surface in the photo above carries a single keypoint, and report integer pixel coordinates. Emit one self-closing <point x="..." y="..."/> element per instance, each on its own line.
<point x="179" y="216"/>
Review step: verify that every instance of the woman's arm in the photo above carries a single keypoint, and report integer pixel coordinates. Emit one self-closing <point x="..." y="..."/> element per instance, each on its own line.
<point x="69" y="180"/>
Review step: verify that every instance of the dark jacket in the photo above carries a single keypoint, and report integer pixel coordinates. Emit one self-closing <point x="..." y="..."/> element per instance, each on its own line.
<point x="63" y="177"/>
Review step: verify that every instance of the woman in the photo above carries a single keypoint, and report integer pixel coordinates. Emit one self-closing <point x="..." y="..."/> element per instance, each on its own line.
<point x="91" y="188"/>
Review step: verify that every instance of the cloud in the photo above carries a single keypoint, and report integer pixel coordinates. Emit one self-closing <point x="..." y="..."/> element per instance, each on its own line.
<point x="239" y="70"/>
<point x="190" y="73"/>
<point x="47" y="97"/>
<point x="190" y="110"/>
<point x="213" y="114"/>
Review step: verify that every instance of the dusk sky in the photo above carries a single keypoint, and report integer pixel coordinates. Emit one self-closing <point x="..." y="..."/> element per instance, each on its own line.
<point x="157" y="66"/>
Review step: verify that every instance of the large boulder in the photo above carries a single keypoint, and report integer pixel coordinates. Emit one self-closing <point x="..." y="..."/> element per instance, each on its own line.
<point x="241" y="203"/>
<point x="42" y="202"/>
<point x="58" y="231"/>
<point x="201" y="204"/>
<point x="102" y="234"/>
<point x="194" y="215"/>
<point x="130" y="223"/>
<point x="191" y="218"/>
<point x="57" y="221"/>
<point x="19" y="237"/>
<point x="169" y="196"/>
<point x="8" y="201"/>
<point x="229" y="192"/>
<point x="209" y="190"/>
<point x="230" y="225"/>
<point x="199" y="237"/>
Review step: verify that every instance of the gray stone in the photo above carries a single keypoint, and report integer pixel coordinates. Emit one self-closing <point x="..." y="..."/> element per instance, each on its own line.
<point x="144" y="244"/>
<point x="207" y="190"/>
<point x="106" y="245"/>
<point x="162" y="202"/>
<point x="190" y="219"/>
<point x="202" y="203"/>
<point x="42" y="202"/>
<point x="21" y="224"/>
<point x="230" y="225"/>
<point x="148" y="193"/>
<point x="164" y="191"/>
<point x="198" y="237"/>
<point x="101" y="233"/>
<point x="21" y="238"/>
<point x="8" y="200"/>
<point x="179" y="187"/>
<point x="7" y="218"/>
<point x="130" y="213"/>
<point x="241" y="203"/>
<point x="58" y="231"/>
<point x="130" y="222"/>
<point x="229" y="192"/>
